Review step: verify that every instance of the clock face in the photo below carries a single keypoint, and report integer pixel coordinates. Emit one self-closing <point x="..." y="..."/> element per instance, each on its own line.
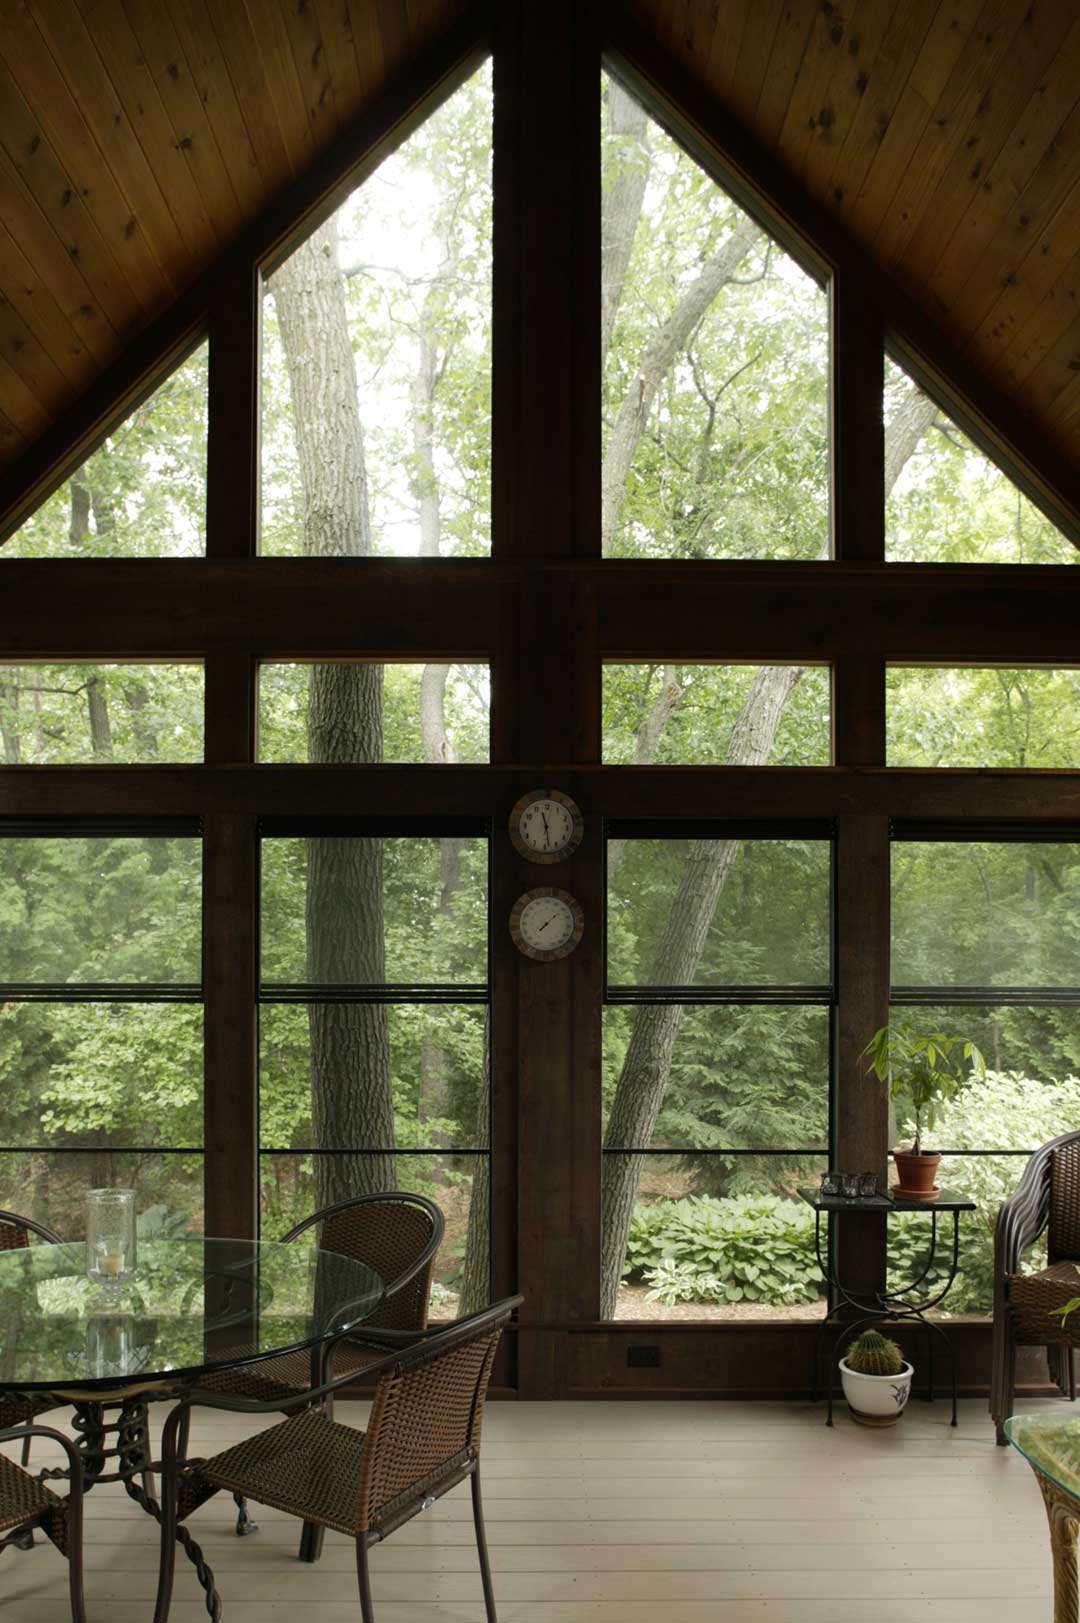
<point x="546" y="826"/>
<point x="546" y="923"/>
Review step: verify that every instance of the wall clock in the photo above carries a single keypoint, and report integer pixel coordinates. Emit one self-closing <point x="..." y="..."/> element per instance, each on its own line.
<point x="546" y="826"/>
<point x="546" y="923"/>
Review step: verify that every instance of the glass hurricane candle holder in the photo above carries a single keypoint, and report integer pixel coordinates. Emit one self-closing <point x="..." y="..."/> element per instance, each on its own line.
<point x="110" y="1235"/>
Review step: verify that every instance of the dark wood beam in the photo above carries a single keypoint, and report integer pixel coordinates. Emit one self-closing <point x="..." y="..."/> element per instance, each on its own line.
<point x="230" y="967"/>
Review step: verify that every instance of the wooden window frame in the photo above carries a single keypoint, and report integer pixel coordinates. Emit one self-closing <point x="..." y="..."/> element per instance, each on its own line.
<point x="544" y="611"/>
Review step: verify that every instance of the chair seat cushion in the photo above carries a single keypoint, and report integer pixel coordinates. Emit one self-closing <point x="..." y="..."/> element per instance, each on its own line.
<point x="283" y="1377"/>
<point x="308" y="1466"/>
<point x="1033" y="1297"/>
<point x="22" y="1497"/>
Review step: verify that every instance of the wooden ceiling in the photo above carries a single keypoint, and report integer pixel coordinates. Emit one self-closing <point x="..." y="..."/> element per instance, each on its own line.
<point x="137" y="138"/>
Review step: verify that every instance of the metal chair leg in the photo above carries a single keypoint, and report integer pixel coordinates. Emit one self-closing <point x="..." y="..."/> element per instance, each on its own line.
<point x="311" y="1541"/>
<point x="244" y="1524"/>
<point x="26" y="1451"/>
<point x="363" y="1577"/>
<point x="1004" y="1381"/>
<point x="481" y="1546"/>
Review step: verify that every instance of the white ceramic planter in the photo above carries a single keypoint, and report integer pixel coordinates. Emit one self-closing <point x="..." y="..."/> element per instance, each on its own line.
<point x="876" y="1400"/>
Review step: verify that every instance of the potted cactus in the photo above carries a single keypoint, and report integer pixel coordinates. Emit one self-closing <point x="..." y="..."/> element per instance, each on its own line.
<point x="876" y="1379"/>
<point x="930" y="1070"/>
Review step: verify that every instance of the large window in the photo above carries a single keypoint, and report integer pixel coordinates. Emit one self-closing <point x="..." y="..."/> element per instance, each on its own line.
<point x="946" y="502"/>
<point x="436" y="714"/>
<point x="993" y="717"/>
<point x="986" y="946"/>
<point x="717" y="715"/>
<point x="374" y="995"/>
<point x="376" y="362"/>
<point x="715" y="350"/>
<point x="67" y="714"/>
<point x="100" y="1018"/>
<point x="717" y="1065"/>
<point x="142" y="493"/>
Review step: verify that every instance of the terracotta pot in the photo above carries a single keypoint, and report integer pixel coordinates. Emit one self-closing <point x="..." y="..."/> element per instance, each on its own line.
<point x="916" y="1173"/>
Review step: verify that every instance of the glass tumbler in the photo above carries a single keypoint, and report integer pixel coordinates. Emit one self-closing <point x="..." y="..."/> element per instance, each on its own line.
<point x="110" y="1235"/>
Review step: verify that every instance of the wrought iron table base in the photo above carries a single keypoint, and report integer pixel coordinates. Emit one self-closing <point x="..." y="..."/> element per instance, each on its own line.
<point x="133" y="1467"/>
<point x="894" y="1306"/>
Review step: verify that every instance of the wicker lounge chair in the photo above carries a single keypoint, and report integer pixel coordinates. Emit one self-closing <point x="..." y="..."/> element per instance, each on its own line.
<point x="1045" y="1201"/>
<point x="26" y="1504"/>
<point x="423" y="1438"/>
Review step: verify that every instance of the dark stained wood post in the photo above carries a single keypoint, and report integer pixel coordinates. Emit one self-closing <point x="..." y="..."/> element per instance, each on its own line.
<point x="546" y="459"/>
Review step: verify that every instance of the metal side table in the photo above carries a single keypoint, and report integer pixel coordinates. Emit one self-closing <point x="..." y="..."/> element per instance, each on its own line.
<point x="904" y="1304"/>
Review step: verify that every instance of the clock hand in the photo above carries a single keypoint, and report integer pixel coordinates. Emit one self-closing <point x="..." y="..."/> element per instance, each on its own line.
<point x="547" y="831"/>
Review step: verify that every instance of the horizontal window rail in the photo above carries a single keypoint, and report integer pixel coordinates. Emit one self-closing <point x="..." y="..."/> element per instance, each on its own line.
<point x="983" y="996"/>
<point x="814" y="1151"/>
<point x="444" y="1151"/>
<point x="704" y="995"/>
<point x="101" y="992"/>
<point x="364" y="992"/>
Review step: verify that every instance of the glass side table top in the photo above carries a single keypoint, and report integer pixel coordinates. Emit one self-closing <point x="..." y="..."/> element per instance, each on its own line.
<point x="948" y="1200"/>
<point x="1051" y="1445"/>
<point x="191" y="1305"/>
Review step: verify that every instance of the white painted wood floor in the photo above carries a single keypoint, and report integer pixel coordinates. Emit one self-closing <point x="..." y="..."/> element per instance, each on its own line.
<point x="627" y="1513"/>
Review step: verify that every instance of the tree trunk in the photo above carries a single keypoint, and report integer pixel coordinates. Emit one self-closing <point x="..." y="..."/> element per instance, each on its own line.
<point x="146" y="741"/>
<point x="655" y="365"/>
<point x="621" y="202"/>
<point x="9" y="723"/>
<point x="646" y="743"/>
<point x="903" y="434"/>
<point x="352" y="1101"/>
<point x="97" y="705"/>
<point x="476" y="1273"/>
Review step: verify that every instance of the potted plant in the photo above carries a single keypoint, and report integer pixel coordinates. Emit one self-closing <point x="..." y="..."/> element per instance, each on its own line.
<point x="929" y="1070"/>
<point x="876" y="1379"/>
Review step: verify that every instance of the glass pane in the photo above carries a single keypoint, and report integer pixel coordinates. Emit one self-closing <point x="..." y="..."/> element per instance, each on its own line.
<point x="983" y="914"/>
<point x="972" y="717"/>
<point x="718" y="912"/>
<point x="1032" y="1088"/>
<point x="945" y="502"/>
<point x="988" y="1180"/>
<point x="715" y="354"/>
<point x="702" y="715"/>
<point x="142" y="493"/>
<point x="53" y="1188"/>
<point x="437" y="1070"/>
<point x="703" y="1245"/>
<point x="294" y="1186"/>
<point x="376" y="357"/>
<point x="741" y="1078"/>
<point x="62" y="714"/>
<point x="111" y="1075"/>
<point x="116" y="910"/>
<point x="361" y="911"/>
<point x="436" y="714"/>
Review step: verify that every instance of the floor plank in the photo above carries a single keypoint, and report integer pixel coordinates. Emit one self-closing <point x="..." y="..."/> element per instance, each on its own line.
<point x="622" y="1513"/>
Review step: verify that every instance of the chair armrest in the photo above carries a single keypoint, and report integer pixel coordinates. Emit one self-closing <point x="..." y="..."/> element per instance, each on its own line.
<point x="16" y="1434"/>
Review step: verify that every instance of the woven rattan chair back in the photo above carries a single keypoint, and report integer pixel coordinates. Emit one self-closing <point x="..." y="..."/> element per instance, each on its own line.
<point x="15" y="1232"/>
<point x="396" y="1234"/>
<point x="427" y="1414"/>
<point x="1063" y="1237"/>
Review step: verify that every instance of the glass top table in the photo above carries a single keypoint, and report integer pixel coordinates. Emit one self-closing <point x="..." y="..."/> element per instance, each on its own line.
<point x="1051" y="1446"/>
<point x="191" y="1305"/>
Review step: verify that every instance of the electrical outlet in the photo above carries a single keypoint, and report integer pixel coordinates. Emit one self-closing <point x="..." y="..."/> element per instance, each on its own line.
<point x="639" y="1356"/>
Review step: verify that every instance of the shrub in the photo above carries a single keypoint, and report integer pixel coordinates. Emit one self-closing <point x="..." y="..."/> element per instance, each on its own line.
<point x="740" y="1248"/>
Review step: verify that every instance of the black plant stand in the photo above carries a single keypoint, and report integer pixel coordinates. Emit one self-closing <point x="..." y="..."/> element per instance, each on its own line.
<point x="850" y="1310"/>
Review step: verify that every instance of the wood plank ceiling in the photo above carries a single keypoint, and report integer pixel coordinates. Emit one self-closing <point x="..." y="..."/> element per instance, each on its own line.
<point x="137" y="138"/>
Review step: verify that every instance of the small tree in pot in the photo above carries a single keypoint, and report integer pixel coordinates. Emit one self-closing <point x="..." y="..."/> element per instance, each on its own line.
<point x="929" y="1070"/>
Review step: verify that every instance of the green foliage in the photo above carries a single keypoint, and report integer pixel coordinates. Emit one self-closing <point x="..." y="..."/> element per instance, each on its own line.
<point x="928" y="1068"/>
<point x="746" y="1248"/>
<point x="874" y="1354"/>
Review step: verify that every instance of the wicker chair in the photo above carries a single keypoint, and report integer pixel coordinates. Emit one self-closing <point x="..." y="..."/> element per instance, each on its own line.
<point x="1045" y="1201"/>
<point x="15" y="1232"/>
<point x="26" y="1503"/>
<point x="397" y="1234"/>
<point x="423" y="1438"/>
